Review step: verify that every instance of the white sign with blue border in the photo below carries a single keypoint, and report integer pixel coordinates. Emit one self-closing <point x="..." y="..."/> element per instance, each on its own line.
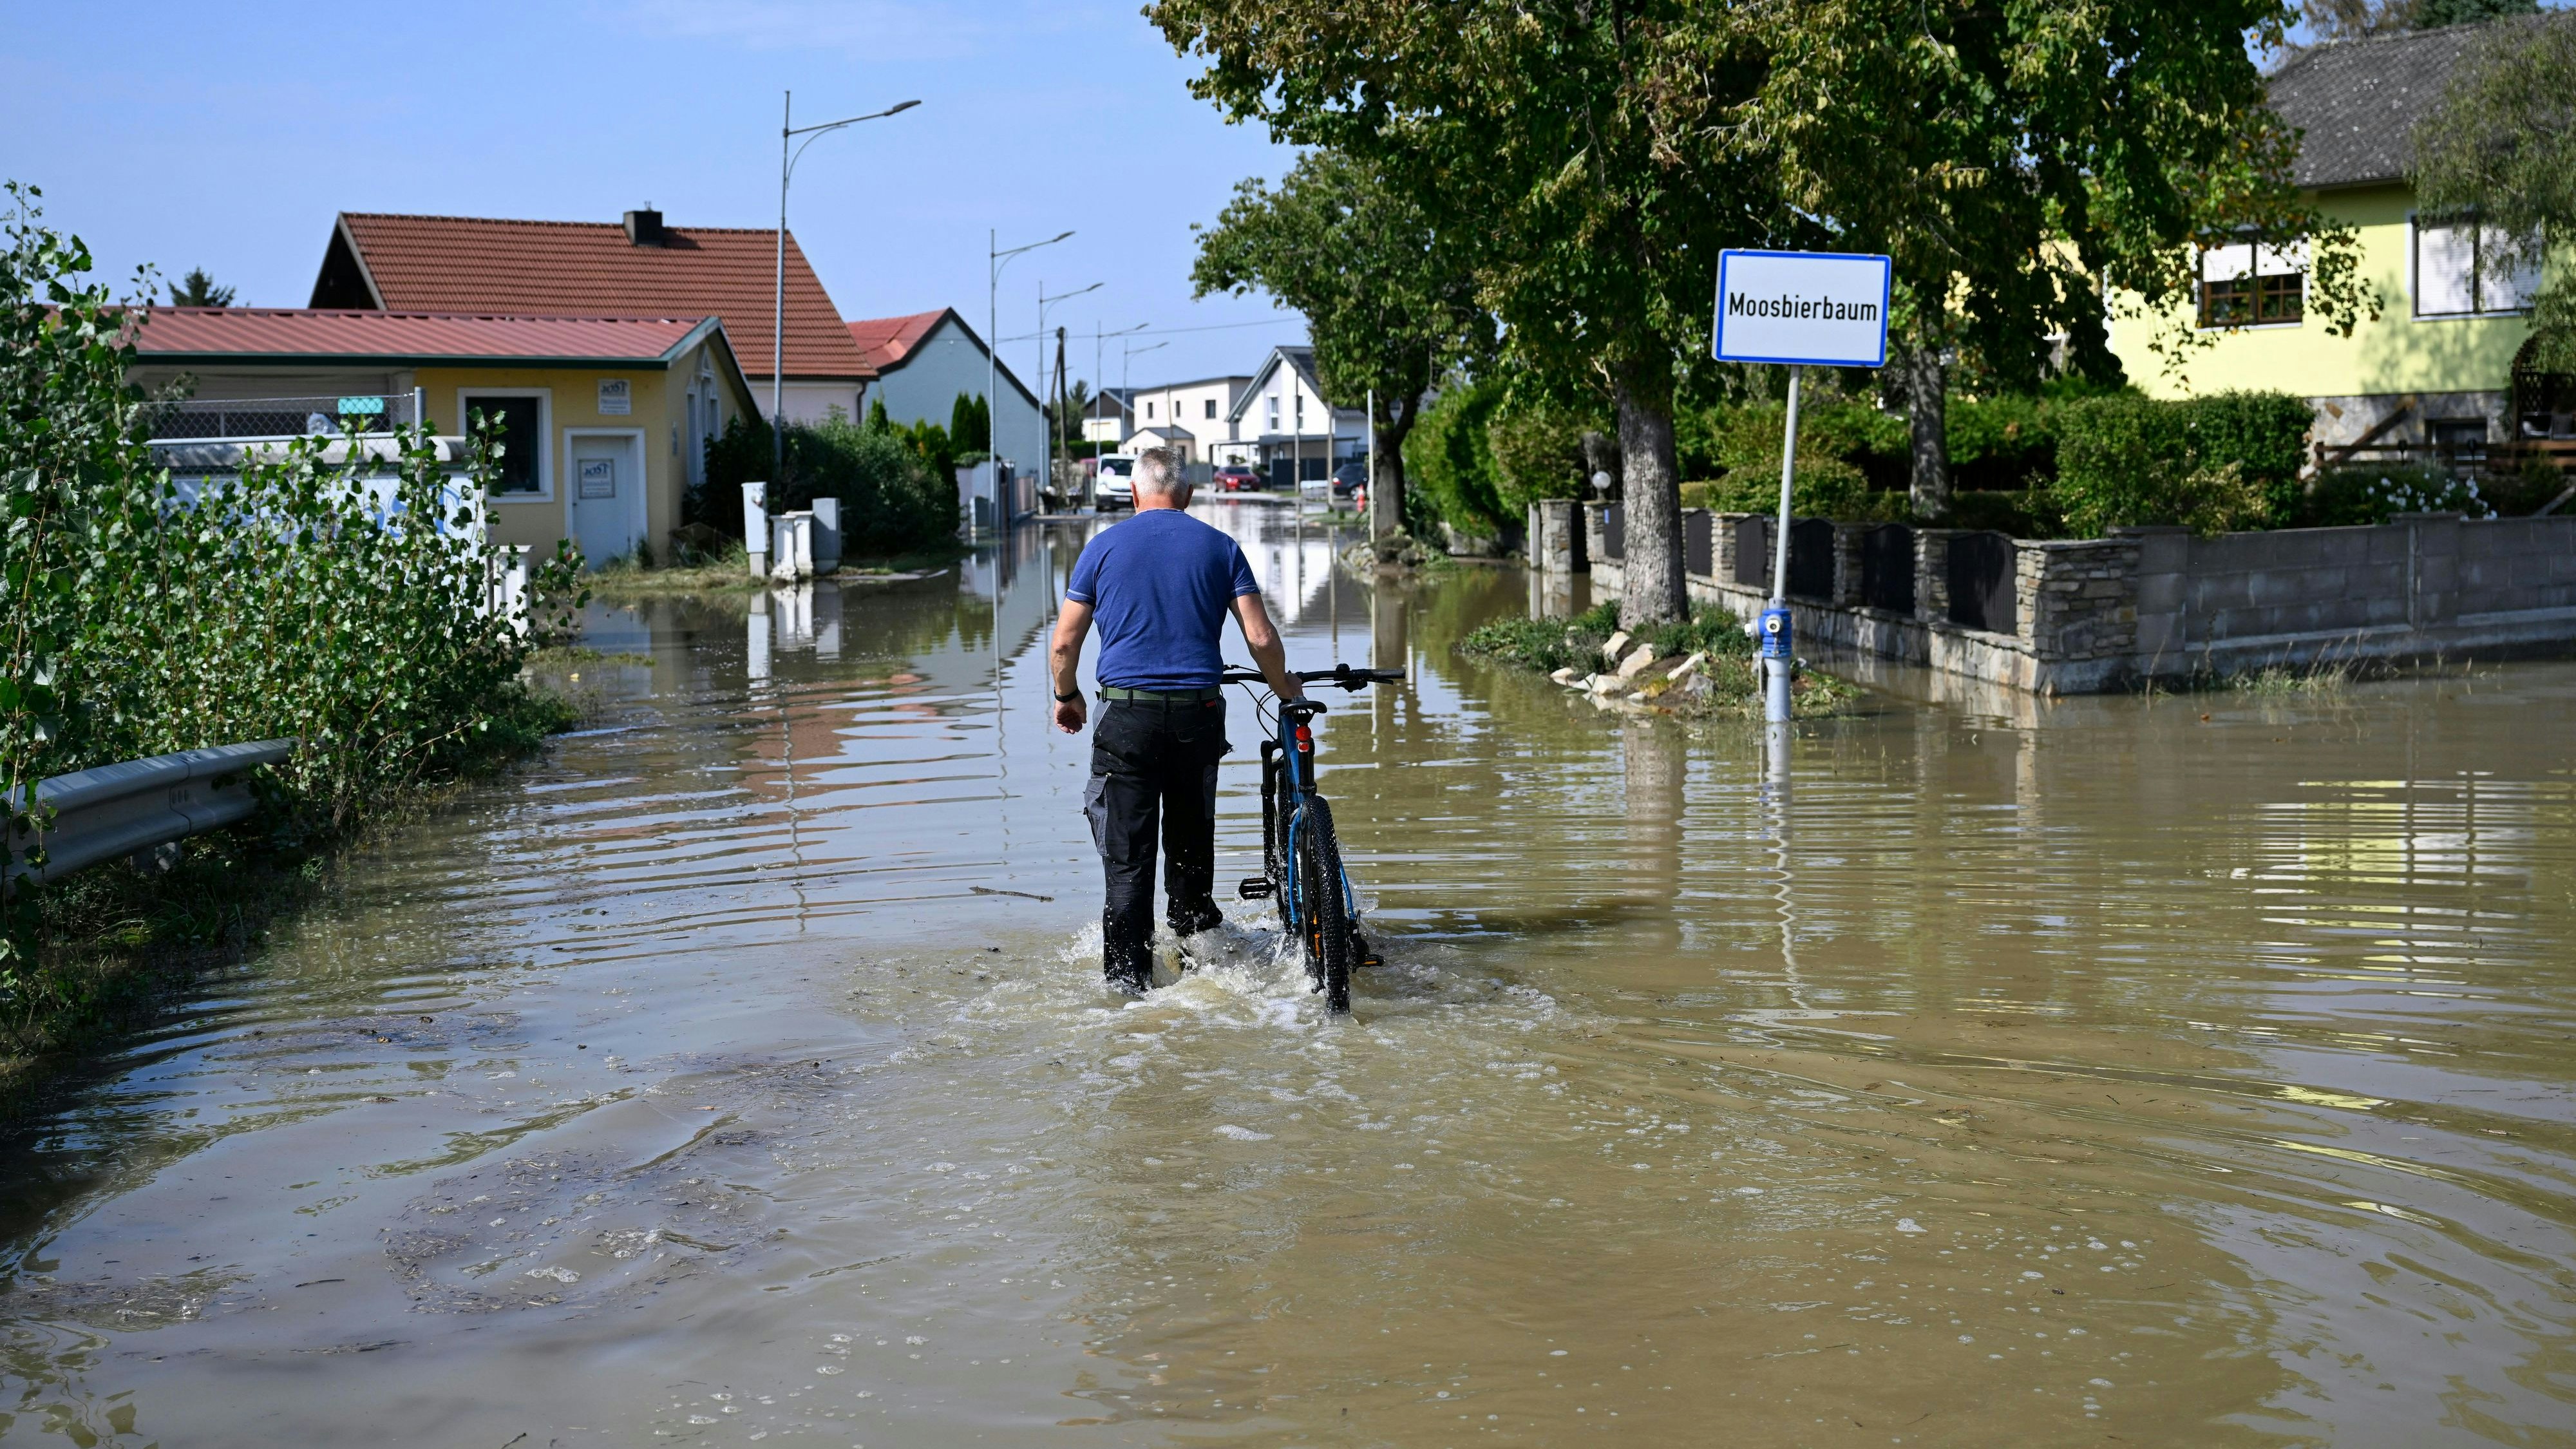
<point x="1821" y="309"/>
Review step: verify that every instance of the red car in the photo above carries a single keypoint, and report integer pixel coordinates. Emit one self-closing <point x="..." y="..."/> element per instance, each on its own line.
<point x="1236" y="478"/>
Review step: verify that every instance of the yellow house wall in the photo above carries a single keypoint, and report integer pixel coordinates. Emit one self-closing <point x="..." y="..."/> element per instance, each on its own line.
<point x="659" y="399"/>
<point x="2397" y="353"/>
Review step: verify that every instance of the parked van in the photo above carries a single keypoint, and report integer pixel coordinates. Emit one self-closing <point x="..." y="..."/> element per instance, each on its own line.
<point x="1115" y="484"/>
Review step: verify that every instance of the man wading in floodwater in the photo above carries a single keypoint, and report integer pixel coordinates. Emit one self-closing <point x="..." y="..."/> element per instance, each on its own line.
<point x="1160" y="584"/>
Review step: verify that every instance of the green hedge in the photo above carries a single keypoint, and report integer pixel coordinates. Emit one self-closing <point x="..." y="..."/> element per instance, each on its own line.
<point x="2229" y="461"/>
<point x="891" y="501"/>
<point x="1449" y="459"/>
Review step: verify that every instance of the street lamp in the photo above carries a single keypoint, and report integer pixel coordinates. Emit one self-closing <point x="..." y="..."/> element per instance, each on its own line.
<point x="788" y="131"/>
<point x="996" y="259"/>
<point x="1128" y="352"/>
<point x="1097" y="380"/>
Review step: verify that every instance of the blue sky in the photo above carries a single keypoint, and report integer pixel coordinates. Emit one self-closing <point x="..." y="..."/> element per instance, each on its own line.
<point x="228" y="136"/>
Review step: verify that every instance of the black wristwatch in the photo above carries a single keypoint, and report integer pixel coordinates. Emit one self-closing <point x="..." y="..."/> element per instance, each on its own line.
<point x="1068" y="698"/>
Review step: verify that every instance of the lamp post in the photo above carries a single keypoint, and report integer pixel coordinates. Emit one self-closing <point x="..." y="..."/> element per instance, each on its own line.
<point x="995" y="259"/>
<point x="1044" y="302"/>
<point x="1097" y="380"/>
<point x="1127" y="354"/>
<point x="788" y="131"/>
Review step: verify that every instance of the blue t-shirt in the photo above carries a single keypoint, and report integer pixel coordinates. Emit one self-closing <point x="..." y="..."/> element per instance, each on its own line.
<point x="1160" y="584"/>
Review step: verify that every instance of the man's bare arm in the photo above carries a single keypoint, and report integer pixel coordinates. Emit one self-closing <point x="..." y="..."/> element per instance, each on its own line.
<point x="1268" y="650"/>
<point x="1064" y="655"/>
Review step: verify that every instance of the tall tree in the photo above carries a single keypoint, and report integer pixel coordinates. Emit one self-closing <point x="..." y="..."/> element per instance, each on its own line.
<point x="1582" y="148"/>
<point x="2501" y="147"/>
<point x="197" y="289"/>
<point x="1389" y="298"/>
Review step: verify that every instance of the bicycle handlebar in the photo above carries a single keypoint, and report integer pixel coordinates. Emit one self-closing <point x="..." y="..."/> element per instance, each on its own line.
<point x="1342" y="675"/>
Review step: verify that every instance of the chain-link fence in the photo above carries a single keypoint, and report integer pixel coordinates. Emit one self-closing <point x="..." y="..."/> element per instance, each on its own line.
<point x="207" y="419"/>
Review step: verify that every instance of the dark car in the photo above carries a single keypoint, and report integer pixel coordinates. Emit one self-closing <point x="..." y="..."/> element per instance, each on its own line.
<point x="1236" y="478"/>
<point x="1350" y="478"/>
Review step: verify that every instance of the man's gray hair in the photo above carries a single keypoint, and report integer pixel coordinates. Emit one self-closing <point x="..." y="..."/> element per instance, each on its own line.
<point x="1157" y="471"/>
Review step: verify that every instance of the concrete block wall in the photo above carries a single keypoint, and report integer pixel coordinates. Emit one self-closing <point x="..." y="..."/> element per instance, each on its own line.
<point x="2100" y="614"/>
<point x="2509" y="565"/>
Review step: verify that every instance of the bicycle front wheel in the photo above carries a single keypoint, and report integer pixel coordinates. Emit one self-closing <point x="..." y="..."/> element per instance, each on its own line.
<point x="1323" y="910"/>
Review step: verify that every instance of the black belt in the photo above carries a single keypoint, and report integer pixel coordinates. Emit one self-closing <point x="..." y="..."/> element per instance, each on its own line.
<point x="1160" y="696"/>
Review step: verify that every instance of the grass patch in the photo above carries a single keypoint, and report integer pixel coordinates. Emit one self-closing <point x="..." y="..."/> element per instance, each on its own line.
<point x="1543" y="646"/>
<point x="2280" y="681"/>
<point x="625" y="580"/>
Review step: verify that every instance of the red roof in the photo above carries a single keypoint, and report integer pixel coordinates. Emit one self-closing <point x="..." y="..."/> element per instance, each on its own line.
<point x="886" y="341"/>
<point x="474" y="264"/>
<point x="209" y="333"/>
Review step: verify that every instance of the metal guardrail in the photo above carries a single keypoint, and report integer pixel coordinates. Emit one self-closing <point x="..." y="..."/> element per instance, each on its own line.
<point x="131" y="807"/>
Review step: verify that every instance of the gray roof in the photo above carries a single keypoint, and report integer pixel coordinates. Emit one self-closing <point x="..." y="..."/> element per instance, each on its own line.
<point x="2357" y="101"/>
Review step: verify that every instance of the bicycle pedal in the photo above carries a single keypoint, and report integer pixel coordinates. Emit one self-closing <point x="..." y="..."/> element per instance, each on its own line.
<point x="1256" y="888"/>
<point x="1371" y="959"/>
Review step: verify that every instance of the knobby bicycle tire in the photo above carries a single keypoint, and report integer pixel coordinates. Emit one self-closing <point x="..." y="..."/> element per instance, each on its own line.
<point x="1324" y="911"/>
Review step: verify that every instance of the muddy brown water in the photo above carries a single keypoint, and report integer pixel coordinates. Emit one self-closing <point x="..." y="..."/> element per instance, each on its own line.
<point x="2167" y="1070"/>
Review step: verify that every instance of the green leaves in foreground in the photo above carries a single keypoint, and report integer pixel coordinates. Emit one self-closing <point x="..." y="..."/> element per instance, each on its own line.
<point x="341" y="591"/>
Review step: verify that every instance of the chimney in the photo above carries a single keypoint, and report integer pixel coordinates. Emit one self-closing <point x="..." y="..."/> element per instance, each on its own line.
<point x="644" y="228"/>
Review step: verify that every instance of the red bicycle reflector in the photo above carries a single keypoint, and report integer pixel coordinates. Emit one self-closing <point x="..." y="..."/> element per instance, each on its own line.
<point x="1305" y="736"/>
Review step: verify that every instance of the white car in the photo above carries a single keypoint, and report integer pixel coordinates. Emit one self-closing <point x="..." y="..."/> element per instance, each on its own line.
<point x="1114" y="486"/>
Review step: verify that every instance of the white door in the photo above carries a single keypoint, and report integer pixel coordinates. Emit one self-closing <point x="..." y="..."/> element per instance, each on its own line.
<point x="607" y="482"/>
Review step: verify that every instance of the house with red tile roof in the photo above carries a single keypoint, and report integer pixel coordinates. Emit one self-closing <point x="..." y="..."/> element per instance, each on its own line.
<point x="605" y="417"/>
<point x="925" y="361"/>
<point x="637" y="267"/>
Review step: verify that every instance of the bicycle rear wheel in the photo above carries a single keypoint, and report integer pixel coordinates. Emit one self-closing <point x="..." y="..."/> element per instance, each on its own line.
<point x="1323" y="911"/>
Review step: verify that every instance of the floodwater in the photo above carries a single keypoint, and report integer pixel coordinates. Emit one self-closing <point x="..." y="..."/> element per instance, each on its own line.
<point x="2188" y="1069"/>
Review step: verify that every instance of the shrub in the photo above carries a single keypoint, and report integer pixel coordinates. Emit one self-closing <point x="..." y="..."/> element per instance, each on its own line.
<point x="2003" y="443"/>
<point x="2346" y="496"/>
<point x="348" y="603"/>
<point x="2224" y="462"/>
<point x="1538" y="453"/>
<point x="1449" y="459"/>
<point x="1824" y="487"/>
<point x="891" y="502"/>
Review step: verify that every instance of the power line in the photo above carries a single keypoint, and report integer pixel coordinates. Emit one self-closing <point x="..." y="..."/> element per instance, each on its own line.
<point x="1168" y="331"/>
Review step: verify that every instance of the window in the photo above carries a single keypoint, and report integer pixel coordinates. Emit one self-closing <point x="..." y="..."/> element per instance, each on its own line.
<point x="1149" y="410"/>
<point x="2254" y="284"/>
<point x="2462" y="440"/>
<point x="519" y="423"/>
<point x="1211" y="407"/>
<point x="2461" y="271"/>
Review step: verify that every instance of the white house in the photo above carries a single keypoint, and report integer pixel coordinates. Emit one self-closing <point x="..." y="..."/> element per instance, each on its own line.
<point x="1196" y="419"/>
<point x="922" y="362"/>
<point x="1282" y="423"/>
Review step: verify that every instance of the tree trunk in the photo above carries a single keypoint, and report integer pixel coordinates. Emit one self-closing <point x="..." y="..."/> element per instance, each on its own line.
<point x="1651" y="494"/>
<point x="1927" y="394"/>
<point x="1386" y="477"/>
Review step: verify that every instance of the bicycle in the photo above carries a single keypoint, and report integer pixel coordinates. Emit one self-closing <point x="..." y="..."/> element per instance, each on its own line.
<point x="1298" y="847"/>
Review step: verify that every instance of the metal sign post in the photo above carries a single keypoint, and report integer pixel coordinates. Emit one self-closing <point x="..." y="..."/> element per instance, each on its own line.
<point x="1800" y="309"/>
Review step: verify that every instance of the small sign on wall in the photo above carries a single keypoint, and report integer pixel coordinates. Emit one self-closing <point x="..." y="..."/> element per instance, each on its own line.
<point x="616" y="397"/>
<point x="598" y="477"/>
